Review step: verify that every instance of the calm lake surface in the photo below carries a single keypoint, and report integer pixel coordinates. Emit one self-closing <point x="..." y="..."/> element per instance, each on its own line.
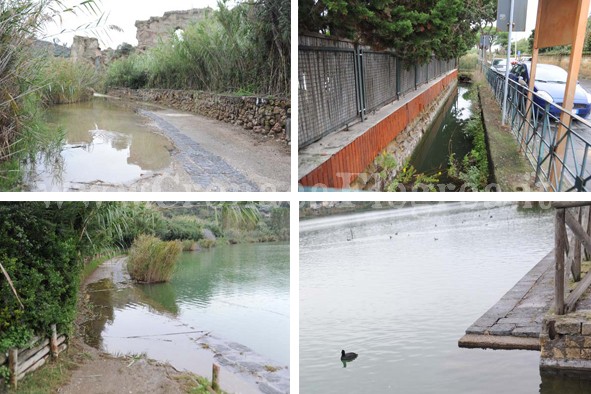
<point x="105" y="141"/>
<point x="402" y="303"/>
<point x="238" y="293"/>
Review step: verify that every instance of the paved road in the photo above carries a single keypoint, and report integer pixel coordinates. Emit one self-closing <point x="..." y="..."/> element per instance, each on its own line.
<point x="222" y="157"/>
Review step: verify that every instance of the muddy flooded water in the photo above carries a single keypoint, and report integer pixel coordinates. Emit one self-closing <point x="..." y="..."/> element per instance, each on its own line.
<point x="228" y="305"/>
<point x="105" y="143"/>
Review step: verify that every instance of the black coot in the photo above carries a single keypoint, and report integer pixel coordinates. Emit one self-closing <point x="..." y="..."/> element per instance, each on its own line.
<point x="348" y="356"/>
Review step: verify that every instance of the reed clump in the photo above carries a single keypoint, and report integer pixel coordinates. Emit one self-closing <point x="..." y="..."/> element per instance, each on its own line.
<point x="152" y="260"/>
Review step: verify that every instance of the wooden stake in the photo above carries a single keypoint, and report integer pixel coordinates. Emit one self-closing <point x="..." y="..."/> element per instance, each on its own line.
<point x="559" y="246"/>
<point x="13" y="367"/>
<point x="215" y="378"/>
<point x="576" y="267"/>
<point x="53" y="342"/>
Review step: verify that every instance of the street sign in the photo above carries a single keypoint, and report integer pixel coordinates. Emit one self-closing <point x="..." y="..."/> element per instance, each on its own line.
<point x="485" y="40"/>
<point x="519" y="15"/>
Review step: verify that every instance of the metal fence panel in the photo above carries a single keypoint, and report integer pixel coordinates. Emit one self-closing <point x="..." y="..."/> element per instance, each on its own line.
<point x="335" y="77"/>
<point x="431" y="70"/>
<point x="326" y="93"/>
<point x="407" y="78"/>
<point x="380" y="79"/>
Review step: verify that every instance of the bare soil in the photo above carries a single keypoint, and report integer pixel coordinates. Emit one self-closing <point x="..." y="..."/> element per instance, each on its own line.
<point x="101" y="373"/>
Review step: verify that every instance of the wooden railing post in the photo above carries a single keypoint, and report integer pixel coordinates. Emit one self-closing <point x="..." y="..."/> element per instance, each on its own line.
<point x="13" y="367"/>
<point x="53" y="342"/>
<point x="587" y="253"/>
<point x="215" y="385"/>
<point x="576" y="267"/>
<point x="559" y="247"/>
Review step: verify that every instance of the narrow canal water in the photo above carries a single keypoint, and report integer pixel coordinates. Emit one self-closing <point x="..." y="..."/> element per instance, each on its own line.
<point x="446" y="136"/>
<point x="238" y="294"/>
<point x="404" y="289"/>
<point x="105" y="142"/>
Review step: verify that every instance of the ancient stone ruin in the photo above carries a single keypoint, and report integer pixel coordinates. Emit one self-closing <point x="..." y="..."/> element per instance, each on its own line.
<point x="155" y="28"/>
<point x="86" y="49"/>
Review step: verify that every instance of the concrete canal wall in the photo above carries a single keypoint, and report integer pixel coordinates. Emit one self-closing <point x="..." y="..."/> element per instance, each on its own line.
<point x="357" y="149"/>
<point x="259" y="114"/>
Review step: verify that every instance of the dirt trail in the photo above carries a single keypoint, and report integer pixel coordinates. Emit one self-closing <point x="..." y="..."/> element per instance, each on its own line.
<point x="100" y="373"/>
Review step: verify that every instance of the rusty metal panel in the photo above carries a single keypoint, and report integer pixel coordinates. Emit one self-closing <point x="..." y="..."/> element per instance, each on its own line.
<point x="556" y="25"/>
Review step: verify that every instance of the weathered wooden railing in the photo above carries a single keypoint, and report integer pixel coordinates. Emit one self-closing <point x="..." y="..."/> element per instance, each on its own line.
<point x="577" y="216"/>
<point x="21" y="362"/>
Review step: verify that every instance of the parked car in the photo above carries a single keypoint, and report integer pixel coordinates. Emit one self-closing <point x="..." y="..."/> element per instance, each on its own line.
<point x="499" y="65"/>
<point x="549" y="87"/>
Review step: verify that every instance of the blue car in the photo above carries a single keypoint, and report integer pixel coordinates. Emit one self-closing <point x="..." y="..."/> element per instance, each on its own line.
<point x="549" y="87"/>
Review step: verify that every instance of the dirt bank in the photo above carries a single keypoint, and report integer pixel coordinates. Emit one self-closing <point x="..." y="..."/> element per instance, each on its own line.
<point x="102" y="373"/>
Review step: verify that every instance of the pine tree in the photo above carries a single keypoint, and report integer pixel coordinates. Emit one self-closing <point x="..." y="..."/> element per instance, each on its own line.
<point x="415" y="30"/>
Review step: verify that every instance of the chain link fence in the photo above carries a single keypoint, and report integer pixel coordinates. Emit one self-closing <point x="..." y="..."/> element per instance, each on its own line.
<point x="339" y="82"/>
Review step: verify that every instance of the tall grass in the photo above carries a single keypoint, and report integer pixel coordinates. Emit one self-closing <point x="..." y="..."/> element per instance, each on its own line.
<point x="29" y="80"/>
<point x="66" y="81"/>
<point x="246" y="49"/>
<point x="152" y="260"/>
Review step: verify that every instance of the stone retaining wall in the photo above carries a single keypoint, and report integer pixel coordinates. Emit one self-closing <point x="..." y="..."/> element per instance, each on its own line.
<point x="566" y="342"/>
<point x="261" y="115"/>
<point x="564" y="60"/>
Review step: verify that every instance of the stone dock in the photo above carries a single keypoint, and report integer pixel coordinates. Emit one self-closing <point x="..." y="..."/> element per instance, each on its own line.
<point x="515" y="321"/>
<point x="524" y="318"/>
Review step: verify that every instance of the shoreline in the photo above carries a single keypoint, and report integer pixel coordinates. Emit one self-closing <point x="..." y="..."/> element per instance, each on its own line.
<point x="242" y="370"/>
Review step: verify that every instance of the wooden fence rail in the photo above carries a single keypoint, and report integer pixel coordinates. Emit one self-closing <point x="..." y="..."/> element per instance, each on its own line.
<point x="577" y="216"/>
<point x="24" y="361"/>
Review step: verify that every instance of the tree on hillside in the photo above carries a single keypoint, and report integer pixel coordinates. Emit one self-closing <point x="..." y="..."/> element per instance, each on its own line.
<point x="414" y="30"/>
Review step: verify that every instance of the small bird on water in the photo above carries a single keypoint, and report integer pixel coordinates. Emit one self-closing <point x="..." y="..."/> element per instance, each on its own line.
<point x="348" y="356"/>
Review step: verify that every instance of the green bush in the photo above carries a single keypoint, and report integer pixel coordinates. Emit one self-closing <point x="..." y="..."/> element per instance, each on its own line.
<point x="152" y="260"/>
<point x="181" y="228"/>
<point x="188" y="245"/>
<point x="39" y="249"/>
<point x="469" y="61"/>
<point x="130" y="72"/>
<point x="207" y="243"/>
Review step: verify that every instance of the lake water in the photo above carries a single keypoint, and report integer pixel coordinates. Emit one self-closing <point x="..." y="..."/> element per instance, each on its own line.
<point x="105" y="142"/>
<point x="238" y="295"/>
<point x="400" y="287"/>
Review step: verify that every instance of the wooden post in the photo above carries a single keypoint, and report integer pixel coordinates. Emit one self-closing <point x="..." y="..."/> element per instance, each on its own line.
<point x="53" y="342"/>
<point x="13" y="367"/>
<point x="559" y="246"/>
<point x="571" y="84"/>
<point x="587" y="253"/>
<point x="215" y="378"/>
<point x="576" y="267"/>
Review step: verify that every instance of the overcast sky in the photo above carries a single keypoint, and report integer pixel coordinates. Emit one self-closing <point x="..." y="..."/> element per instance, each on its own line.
<point x="122" y="13"/>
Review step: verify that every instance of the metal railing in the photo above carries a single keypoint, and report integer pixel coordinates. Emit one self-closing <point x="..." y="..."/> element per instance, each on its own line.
<point x="560" y="163"/>
<point x="340" y="82"/>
